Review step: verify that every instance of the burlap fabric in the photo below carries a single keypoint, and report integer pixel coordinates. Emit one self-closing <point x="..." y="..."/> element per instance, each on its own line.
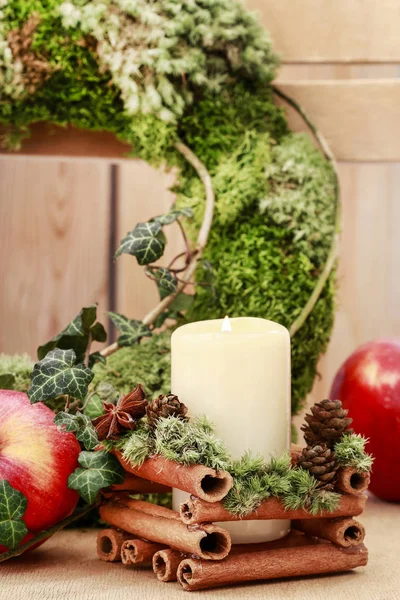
<point x="66" y="568"/>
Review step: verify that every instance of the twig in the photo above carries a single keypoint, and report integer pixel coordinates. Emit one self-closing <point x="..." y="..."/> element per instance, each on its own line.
<point x="175" y="259"/>
<point x="67" y="402"/>
<point x="333" y="252"/>
<point x="87" y="353"/>
<point x="187" y="245"/>
<point x="43" y="535"/>
<point x="200" y="244"/>
<point x="88" y="397"/>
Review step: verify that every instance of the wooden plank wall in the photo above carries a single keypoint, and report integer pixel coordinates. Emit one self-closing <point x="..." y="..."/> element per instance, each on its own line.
<point x="54" y="218"/>
<point x="341" y="60"/>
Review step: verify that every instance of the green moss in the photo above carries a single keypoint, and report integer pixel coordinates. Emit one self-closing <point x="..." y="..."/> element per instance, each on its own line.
<point x="301" y="196"/>
<point x="275" y="193"/>
<point x="350" y="452"/>
<point x="148" y="363"/>
<point x="275" y="209"/>
<point x="20" y="367"/>
<point x="189" y="442"/>
<point x="255" y="481"/>
<point x="217" y="124"/>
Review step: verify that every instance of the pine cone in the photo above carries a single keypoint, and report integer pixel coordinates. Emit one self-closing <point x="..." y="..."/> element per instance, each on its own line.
<point x="321" y="463"/>
<point x="326" y="424"/>
<point x="165" y="406"/>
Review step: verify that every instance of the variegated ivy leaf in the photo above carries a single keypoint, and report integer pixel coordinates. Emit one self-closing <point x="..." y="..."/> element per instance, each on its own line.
<point x="99" y="470"/>
<point x="166" y="281"/>
<point x="131" y="331"/>
<point x="94" y="408"/>
<point x="105" y="392"/>
<point x="146" y="242"/>
<point x="174" y="215"/>
<point x="76" y="335"/>
<point x="12" y="509"/>
<point x="79" y="424"/>
<point x="96" y="357"/>
<point x="57" y="374"/>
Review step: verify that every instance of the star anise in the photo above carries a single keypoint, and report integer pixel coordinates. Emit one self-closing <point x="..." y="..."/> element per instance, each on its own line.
<point x="122" y="415"/>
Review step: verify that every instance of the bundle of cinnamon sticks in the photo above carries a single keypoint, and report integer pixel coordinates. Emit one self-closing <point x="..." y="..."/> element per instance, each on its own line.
<point x="189" y="548"/>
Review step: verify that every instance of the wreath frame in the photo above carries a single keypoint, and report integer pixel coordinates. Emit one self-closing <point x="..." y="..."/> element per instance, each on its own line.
<point x="256" y="71"/>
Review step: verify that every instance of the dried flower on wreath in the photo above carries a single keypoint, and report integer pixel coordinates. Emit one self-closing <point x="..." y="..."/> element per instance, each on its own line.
<point x="123" y="415"/>
<point x="35" y="69"/>
<point x="165" y="406"/>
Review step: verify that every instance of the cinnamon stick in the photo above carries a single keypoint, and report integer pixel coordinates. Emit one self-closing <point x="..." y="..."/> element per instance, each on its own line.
<point x="165" y="564"/>
<point x="344" y="531"/>
<point x="195" y="510"/>
<point x="137" y="485"/>
<point x="207" y="541"/>
<point x="146" y="507"/>
<point x="109" y="544"/>
<point x="139" y="552"/>
<point x="195" y="574"/>
<point x="351" y="481"/>
<point x="201" y="481"/>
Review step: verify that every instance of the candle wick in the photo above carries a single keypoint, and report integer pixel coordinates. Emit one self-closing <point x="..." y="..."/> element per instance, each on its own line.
<point x="226" y="324"/>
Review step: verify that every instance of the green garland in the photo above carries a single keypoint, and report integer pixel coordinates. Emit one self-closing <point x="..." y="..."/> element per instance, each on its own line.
<point x="155" y="72"/>
<point x="194" y="442"/>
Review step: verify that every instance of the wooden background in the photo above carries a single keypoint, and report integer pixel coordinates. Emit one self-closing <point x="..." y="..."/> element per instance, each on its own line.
<point x="61" y="216"/>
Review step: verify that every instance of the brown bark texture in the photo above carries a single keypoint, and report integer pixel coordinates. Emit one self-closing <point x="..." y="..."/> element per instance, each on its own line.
<point x="207" y="541"/>
<point x="195" y="510"/>
<point x="343" y="531"/>
<point x="351" y="481"/>
<point x="314" y="559"/>
<point x="109" y="544"/>
<point x="139" y="552"/>
<point x="166" y="563"/>
<point x="138" y="485"/>
<point x="198" y="480"/>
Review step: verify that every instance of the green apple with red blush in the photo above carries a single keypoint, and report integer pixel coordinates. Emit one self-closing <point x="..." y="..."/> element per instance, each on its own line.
<point x="368" y="384"/>
<point x="36" y="458"/>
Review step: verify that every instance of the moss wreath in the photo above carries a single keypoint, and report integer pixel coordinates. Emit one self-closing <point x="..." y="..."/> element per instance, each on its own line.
<point x="187" y="83"/>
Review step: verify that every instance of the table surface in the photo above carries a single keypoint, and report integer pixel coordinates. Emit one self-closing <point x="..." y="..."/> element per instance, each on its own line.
<point x="66" y="567"/>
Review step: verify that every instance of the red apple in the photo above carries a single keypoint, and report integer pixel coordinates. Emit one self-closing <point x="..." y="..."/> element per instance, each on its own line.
<point x="36" y="459"/>
<point x="368" y="384"/>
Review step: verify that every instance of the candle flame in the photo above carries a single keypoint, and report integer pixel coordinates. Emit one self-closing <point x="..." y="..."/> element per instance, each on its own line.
<point x="226" y="324"/>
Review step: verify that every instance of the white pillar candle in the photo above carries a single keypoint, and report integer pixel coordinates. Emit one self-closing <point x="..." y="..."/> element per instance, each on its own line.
<point x="237" y="373"/>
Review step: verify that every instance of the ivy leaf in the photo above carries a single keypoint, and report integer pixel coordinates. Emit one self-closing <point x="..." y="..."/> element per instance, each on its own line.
<point x="58" y="374"/>
<point x="166" y="282"/>
<point x="182" y="302"/>
<point x="76" y="335"/>
<point x="7" y="381"/>
<point x="96" y="357"/>
<point x="131" y="331"/>
<point x="100" y="469"/>
<point x="105" y="392"/>
<point x="12" y="508"/>
<point x="79" y="424"/>
<point x="98" y="333"/>
<point x="146" y="242"/>
<point x="174" y="215"/>
<point x="94" y="408"/>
